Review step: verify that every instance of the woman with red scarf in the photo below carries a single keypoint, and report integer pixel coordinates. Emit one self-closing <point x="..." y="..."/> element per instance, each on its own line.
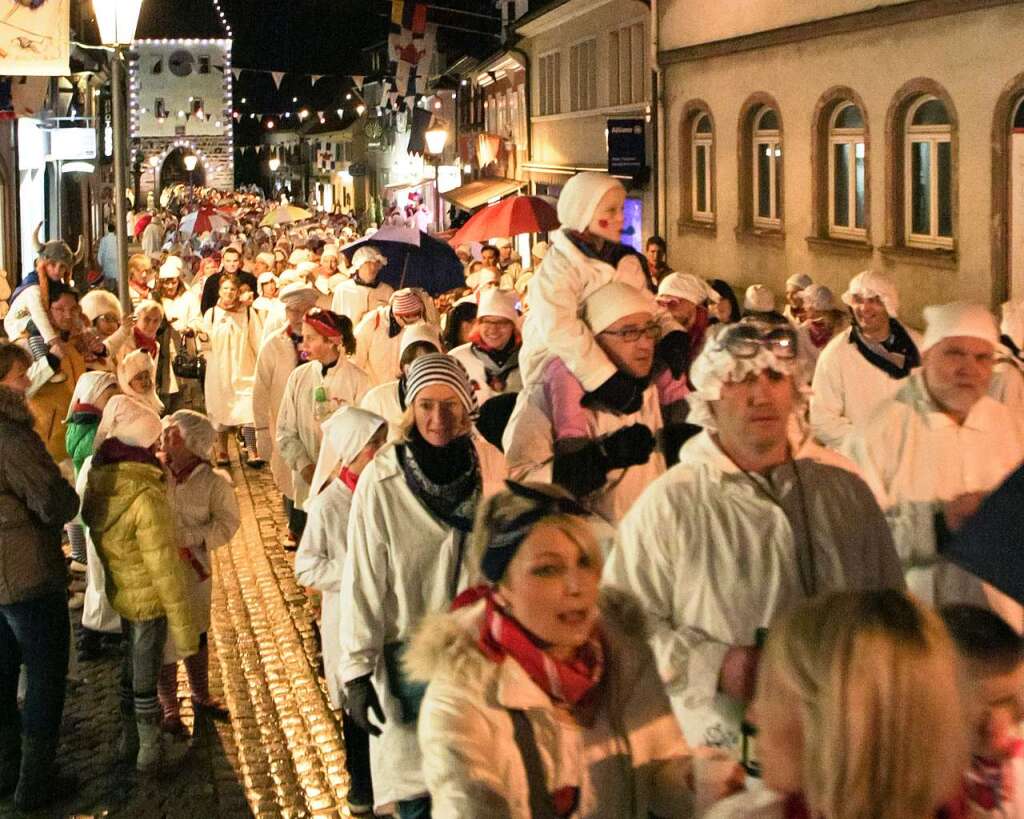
<point x="858" y="714"/>
<point x="543" y="699"/>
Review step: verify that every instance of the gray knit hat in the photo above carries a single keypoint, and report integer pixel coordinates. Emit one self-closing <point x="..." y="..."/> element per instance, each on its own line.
<point x="439" y="368"/>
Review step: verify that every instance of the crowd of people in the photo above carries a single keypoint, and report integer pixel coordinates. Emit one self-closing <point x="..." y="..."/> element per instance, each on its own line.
<point x="590" y="537"/>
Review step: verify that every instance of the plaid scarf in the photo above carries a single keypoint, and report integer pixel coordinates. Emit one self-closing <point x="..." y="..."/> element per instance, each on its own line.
<point x="501" y="635"/>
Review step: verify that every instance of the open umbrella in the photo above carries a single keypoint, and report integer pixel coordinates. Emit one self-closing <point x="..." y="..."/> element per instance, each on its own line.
<point x="509" y="217"/>
<point x="203" y="220"/>
<point x="142" y="223"/>
<point x="283" y="214"/>
<point x="415" y="259"/>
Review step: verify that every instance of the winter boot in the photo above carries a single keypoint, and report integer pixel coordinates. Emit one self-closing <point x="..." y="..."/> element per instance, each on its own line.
<point x="39" y="784"/>
<point x="10" y="761"/>
<point x="157" y="752"/>
<point x="128" y="742"/>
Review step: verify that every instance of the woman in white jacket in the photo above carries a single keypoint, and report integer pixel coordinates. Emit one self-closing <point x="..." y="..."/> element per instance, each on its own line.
<point x="411" y="516"/>
<point x="492" y="355"/>
<point x="543" y="698"/>
<point x="351" y="438"/>
<point x="327" y="341"/>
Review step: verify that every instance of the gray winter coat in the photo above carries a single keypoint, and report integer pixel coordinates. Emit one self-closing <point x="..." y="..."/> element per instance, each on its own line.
<point x="35" y="502"/>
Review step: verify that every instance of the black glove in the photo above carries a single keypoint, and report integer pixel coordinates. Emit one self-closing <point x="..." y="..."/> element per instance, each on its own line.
<point x="674" y="351"/>
<point x="621" y="393"/>
<point x="361" y="699"/>
<point x="580" y="470"/>
<point x="628" y="447"/>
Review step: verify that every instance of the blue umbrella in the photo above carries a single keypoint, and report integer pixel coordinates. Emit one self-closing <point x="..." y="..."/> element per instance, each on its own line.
<point x="415" y="259"/>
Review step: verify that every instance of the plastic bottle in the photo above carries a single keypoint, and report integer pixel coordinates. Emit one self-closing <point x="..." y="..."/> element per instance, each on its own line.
<point x="322" y="407"/>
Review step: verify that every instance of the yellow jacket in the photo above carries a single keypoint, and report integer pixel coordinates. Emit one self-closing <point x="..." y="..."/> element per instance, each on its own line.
<point x="49" y="405"/>
<point x="131" y="522"/>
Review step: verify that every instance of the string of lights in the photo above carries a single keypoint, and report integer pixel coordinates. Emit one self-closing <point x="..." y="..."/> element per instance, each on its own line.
<point x="223" y="18"/>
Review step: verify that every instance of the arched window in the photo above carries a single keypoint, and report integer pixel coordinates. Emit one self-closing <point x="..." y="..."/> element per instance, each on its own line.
<point x="767" y="169"/>
<point x="928" y="174"/>
<point x="847" y="183"/>
<point x="702" y="178"/>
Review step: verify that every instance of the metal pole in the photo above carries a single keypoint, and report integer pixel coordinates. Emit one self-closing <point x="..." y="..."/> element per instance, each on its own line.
<point x="120" y="174"/>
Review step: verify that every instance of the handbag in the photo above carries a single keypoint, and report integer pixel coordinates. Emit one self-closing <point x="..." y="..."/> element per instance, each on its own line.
<point x="410" y="694"/>
<point x="188" y="361"/>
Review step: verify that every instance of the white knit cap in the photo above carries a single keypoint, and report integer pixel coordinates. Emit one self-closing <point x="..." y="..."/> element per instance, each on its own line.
<point x="368" y="253"/>
<point x="172" y="268"/>
<point x="798" y="281"/>
<point x="687" y="286"/>
<point x="438" y="368"/>
<point x="307" y="267"/>
<point x="501" y="242"/>
<point x="130" y="421"/>
<point x="299" y="256"/>
<point x="869" y="284"/>
<point x="420" y="332"/>
<point x="956" y="320"/>
<point x="266" y="278"/>
<point x="298" y="295"/>
<point x="1012" y="324"/>
<point x="716" y="365"/>
<point x="196" y="431"/>
<point x="579" y="198"/>
<point x="89" y="387"/>
<point x="758" y="299"/>
<point x="98" y="303"/>
<point x="818" y="297"/>
<point x="614" y="301"/>
<point x="539" y="250"/>
<point x="499" y="304"/>
<point x="267" y="258"/>
<point x="346" y="434"/>
<point x="131" y="365"/>
<point x="405" y="302"/>
<point x="290" y="276"/>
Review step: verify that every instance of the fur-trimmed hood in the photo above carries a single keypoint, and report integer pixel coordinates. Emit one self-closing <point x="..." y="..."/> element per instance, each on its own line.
<point x="14" y="408"/>
<point x="447" y="642"/>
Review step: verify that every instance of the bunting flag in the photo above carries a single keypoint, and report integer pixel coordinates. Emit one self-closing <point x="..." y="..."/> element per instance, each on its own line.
<point x="315" y="77"/>
<point x="358" y="80"/>
<point x="237" y="72"/>
<point x="278" y="76"/>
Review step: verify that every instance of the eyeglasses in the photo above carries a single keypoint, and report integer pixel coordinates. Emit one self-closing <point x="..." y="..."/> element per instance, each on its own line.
<point x="745" y="338"/>
<point x="631" y="334"/>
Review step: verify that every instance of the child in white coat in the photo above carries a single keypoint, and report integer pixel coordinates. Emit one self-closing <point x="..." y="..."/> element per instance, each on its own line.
<point x="351" y="438"/>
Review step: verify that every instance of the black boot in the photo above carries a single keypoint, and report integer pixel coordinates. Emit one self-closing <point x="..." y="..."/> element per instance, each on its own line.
<point x="39" y="784"/>
<point x="10" y="762"/>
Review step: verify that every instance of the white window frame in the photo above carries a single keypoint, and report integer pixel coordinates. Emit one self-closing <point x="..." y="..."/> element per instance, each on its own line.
<point x="773" y="139"/>
<point x="549" y="83"/>
<point x="934" y="135"/>
<point x="705" y="141"/>
<point x="580" y="77"/>
<point x="854" y="137"/>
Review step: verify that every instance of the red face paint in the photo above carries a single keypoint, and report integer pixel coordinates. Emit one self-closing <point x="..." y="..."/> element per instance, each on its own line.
<point x="603" y="222"/>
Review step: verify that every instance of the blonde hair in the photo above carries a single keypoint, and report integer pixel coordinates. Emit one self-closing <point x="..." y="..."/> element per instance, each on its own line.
<point x="148" y="306"/>
<point x="139" y="261"/>
<point x="497" y="511"/>
<point x="875" y="678"/>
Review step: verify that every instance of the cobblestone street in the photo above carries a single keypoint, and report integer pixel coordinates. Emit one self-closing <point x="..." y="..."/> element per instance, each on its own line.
<point x="281" y="754"/>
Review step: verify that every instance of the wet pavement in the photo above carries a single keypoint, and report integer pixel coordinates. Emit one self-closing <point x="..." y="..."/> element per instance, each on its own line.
<point x="281" y="753"/>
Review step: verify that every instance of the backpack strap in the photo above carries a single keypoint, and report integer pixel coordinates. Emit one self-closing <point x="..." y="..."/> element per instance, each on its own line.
<point x="541" y="806"/>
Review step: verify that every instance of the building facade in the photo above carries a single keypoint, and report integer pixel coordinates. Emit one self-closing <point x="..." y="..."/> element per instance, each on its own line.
<point x="830" y="137"/>
<point x="589" y="73"/>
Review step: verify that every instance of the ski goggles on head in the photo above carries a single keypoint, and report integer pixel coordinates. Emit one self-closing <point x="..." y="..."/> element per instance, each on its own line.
<point x="745" y="339"/>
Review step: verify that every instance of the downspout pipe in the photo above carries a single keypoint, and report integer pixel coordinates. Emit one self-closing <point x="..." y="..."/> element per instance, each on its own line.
<point x="658" y="100"/>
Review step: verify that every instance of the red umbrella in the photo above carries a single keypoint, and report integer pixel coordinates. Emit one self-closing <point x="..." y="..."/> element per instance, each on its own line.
<point x="509" y="217"/>
<point x="201" y="221"/>
<point x="142" y="223"/>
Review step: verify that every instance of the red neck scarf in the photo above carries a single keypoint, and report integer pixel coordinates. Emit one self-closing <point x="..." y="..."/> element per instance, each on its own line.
<point x="144" y="342"/>
<point x="182" y="475"/>
<point x="566" y="682"/>
<point x="819" y="332"/>
<point x="348" y="478"/>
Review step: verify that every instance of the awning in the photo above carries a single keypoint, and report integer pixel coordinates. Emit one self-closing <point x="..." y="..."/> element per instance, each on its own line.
<point x="401" y="186"/>
<point x="479" y="192"/>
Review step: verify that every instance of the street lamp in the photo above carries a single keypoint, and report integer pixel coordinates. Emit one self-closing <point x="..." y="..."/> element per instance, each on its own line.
<point x="274" y="164"/>
<point x="437" y="138"/>
<point x="117" y="20"/>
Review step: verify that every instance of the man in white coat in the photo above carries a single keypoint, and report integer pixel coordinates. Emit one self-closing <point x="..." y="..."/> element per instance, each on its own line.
<point x="752" y="520"/>
<point x="364" y="292"/>
<point x="278" y="356"/>
<point x="379" y="335"/>
<point x="864" y="365"/>
<point x="937" y="447"/>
